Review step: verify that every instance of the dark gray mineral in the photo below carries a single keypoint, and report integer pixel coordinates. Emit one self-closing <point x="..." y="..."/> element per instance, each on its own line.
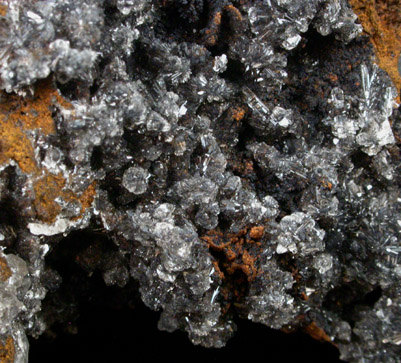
<point x="241" y="158"/>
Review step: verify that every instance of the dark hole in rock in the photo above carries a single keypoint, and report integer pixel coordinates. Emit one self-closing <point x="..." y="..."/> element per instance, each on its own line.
<point x="96" y="158"/>
<point x="92" y="322"/>
<point x="235" y="71"/>
<point x="348" y="299"/>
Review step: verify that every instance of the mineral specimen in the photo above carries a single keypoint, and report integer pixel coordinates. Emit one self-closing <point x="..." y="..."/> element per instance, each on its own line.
<point x="241" y="160"/>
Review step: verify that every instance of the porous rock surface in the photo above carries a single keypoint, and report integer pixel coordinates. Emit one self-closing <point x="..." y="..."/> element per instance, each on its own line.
<point x="240" y="157"/>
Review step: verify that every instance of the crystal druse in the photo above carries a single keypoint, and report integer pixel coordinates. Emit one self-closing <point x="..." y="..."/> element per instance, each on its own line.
<point x="241" y="158"/>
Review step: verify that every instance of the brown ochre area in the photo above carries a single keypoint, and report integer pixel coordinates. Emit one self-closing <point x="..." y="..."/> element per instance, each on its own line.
<point x="311" y="328"/>
<point x="317" y="333"/>
<point x="20" y="117"/>
<point x="237" y="259"/>
<point x="236" y="262"/>
<point x="237" y="113"/>
<point x="3" y="9"/>
<point x="7" y="350"/>
<point x="238" y="251"/>
<point x="381" y="20"/>
<point x="5" y="271"/>
<point x="213" y="30"/>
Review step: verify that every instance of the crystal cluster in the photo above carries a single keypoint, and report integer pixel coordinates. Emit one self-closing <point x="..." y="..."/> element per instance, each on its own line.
<point x="238" y="168"/>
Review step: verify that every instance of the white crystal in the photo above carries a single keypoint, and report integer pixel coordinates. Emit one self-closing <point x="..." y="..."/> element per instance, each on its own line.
<point x="220" y="63"/>
<point x="135" y="180"/>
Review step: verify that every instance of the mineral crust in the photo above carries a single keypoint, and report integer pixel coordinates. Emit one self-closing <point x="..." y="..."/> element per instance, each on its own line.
<point x="233" y="159"/>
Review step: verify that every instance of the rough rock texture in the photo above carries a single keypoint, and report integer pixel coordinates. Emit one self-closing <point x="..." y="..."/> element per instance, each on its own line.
<point x="240" y="161"/>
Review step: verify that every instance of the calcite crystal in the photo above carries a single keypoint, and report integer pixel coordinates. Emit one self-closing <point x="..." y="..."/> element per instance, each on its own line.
<point x="239" y="159"/>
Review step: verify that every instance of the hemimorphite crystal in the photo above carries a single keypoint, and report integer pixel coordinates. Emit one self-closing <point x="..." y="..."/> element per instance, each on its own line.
<point x="135" y="179"/>
<point x="236" y="162"/>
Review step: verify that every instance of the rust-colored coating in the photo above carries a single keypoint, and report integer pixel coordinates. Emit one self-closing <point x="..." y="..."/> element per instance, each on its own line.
<point x="317" y="333"/>
<point x="20" y="116"/>
<point x="238" y="113"/>
<point x="256" y="233"/>
<point x="7" y="351"/>
<point x="3" y="9"/>
<point x="5" y="272"/>
<point x="381" y="20"/>
<point x="234" y="11"/>
<point x="236" y="249"/>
